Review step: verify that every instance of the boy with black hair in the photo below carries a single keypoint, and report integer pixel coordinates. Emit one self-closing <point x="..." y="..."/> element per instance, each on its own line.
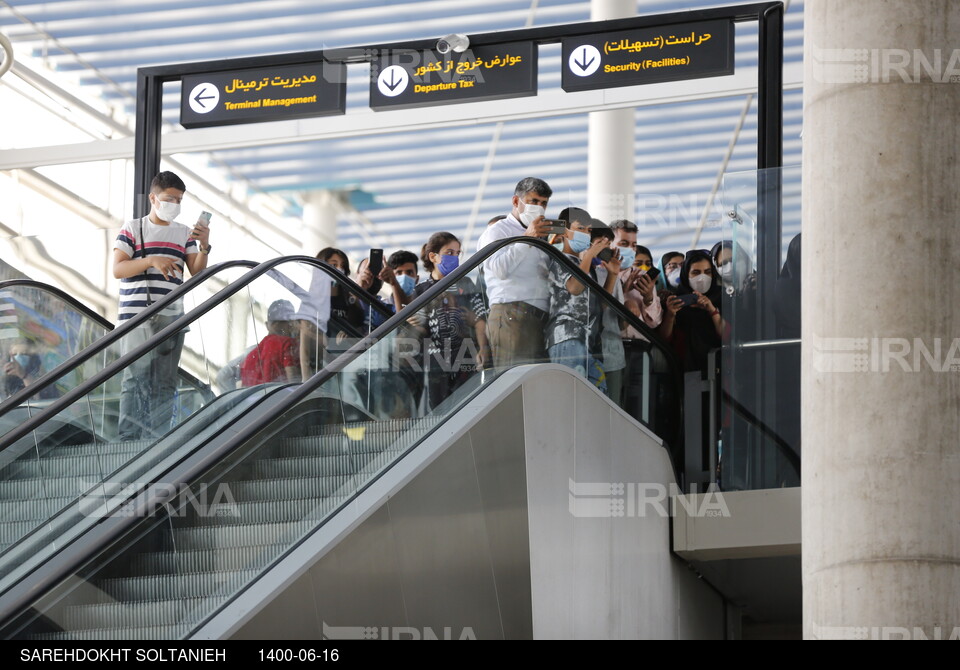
<point x="149" y="256"/>
<point x="573" y="325"/>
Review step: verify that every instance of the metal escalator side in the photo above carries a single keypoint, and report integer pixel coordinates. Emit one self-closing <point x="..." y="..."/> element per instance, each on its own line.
<point x="285" y="474"/>
<point x="55" y="461"/>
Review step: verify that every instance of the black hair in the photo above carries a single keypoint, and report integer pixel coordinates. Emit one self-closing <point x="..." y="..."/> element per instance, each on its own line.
<point x="571" y="214"/>
<point x="436" y="242"/>
<point x="528" y="184"/>
<point x="643" y="250"/>
<point x="695" y="256"/>
<point x="325" y="254"/>
<point x="402" y="257"/>
<point x="623" y="224"/>
<point x="165" y="180"/>
<point x="599" y="229"/>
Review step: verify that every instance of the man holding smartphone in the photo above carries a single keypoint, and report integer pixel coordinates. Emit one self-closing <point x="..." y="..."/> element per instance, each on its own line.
<point x="149" y="256"/>
<point x="516" y="279"/>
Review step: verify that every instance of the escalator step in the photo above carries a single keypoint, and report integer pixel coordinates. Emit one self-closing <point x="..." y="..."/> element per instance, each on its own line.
<point x="33" y="509"/>
<point x="172" y="632"/>
<point x="95" y="465"/>
<point x="238" y="558"/>
<point x="224" y="537"/>
<point x="94" y="448"/>
<point x="317" y="466"/>
<point x="182" y="586"/>
<point x="12" y="531"/>
<point x="143" y="613"/>
<point x="288" y="488"/>
<point x="270" y="511"/>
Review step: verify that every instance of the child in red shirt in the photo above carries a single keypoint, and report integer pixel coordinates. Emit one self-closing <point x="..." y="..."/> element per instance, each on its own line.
<point x="277" y="357"/>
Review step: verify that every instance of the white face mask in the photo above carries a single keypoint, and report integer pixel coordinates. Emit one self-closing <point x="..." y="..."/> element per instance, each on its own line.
<point x="726" y="272"/>
<point x="166" y="211"/>
<point x="529" y="213"/>
<point x="673" y="278"/>
<point x="701" y="283"/>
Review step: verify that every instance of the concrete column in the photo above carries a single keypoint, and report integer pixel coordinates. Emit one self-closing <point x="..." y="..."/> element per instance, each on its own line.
<point x="610" y="187"/>
<point x="881" y="269"/>
<point x="319" y="220"/>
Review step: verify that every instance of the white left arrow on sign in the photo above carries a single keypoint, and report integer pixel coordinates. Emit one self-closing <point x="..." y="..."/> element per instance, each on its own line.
<point x="204" y="98"/>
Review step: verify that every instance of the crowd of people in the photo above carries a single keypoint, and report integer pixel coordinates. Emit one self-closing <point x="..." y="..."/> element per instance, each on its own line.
<point x="525" y="306"/>
<point x="521" y="305"/>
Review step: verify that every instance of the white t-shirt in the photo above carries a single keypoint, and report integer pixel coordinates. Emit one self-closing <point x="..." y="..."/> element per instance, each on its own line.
<point x="173" y="241"/>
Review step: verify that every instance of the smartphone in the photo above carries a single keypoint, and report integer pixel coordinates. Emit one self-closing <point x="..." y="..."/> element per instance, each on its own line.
<point x="376" y="261"/>
<point x="556" y="226"/>
<point x="653" y="273"/>
<point x="605" y="254"/>
<point x="688" y="299"/>
<point x="205" y="217"/>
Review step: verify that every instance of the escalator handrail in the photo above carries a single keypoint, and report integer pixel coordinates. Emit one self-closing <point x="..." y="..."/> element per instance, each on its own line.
<point x="85" y="311"/>
<point x="82" y="389"/>
<point x="27" y="392"/>
<point x="215" y="451"/>
<point x="339" y="363"/>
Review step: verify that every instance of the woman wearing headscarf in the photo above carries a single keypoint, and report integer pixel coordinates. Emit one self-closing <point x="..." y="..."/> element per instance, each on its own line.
<point x="786" y="304"/>
<point x="669" y="279"/>
<point x="692" y="321"/>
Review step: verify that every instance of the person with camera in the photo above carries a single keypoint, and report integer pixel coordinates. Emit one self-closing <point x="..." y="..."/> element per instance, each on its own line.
<point x="515" y="279"/>
<point x="692" y="321"/>
<point x="149" y="257"/>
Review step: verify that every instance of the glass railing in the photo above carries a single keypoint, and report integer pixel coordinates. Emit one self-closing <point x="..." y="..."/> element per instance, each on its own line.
<point x="110" y="435"/>
<point x="759" y="394"/>
<point x="281" y="477"/>
<point x="86" y="361"/>
<point x="42" y="327"/>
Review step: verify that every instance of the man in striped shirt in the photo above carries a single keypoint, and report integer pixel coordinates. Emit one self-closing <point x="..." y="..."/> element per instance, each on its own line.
<point x="148" y="258"/>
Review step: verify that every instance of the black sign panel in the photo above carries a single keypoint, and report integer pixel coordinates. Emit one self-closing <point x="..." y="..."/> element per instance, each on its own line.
<point x="648" y="55"/>
<point x="422" y="78"/>
<point x="263" y="94"/>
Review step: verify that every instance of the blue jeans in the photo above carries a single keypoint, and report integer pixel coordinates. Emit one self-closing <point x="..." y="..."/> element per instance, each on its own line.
<point x="573" y="354"/>
<point x="149" y="385"/>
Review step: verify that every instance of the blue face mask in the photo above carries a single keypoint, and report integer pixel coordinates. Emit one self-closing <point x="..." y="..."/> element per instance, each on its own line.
<point x="627" y="256"/>
<point x="30" y="363"/>
<point x="580" y="242"/>
<point x="448" y="264"/>
<point x="406" y="283"/>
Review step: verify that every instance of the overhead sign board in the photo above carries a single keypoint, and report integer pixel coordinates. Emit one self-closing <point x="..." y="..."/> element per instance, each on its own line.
<point x="263" y="94"/>
<point x="648" y="55"/>
<point x="424" y="78"/>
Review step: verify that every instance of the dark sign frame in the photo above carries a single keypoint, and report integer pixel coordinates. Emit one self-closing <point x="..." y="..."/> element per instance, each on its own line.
<point x="768" y="15"/>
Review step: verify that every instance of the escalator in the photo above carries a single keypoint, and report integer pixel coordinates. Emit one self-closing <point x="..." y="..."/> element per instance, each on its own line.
<point x="212" y="521"/>
<point x="58" y="455"/>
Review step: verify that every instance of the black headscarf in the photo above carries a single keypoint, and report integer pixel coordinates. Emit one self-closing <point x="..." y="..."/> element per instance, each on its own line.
<point x="696" y="256"/>
<point x="741" y="260"/>
<point x="786" y="306"/>
<point x="662" y="283"/>
<point x="695" y="324"/>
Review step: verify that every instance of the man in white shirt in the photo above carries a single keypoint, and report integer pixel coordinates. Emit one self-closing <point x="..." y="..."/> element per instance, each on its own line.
<point x="516" y="279"/>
